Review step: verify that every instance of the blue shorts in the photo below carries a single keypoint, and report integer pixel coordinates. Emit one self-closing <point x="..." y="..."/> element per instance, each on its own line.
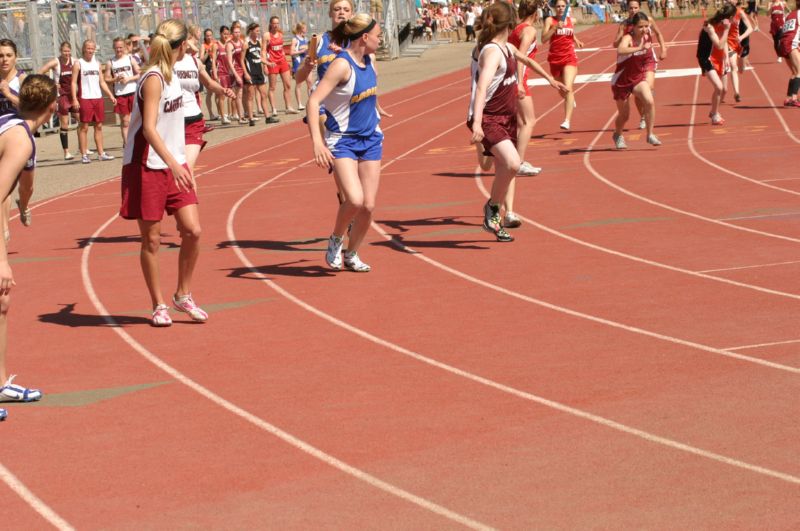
<point x="356" y="147"/>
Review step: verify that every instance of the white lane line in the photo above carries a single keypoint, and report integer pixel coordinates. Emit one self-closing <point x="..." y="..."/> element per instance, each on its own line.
<point x="677" y="445"/>
<point x="762" y="216"/>
<point x="750" y="267"/>
<point x="33" y="500"/>
<point x="774" y="343"/>
<point x="690" y="143"/>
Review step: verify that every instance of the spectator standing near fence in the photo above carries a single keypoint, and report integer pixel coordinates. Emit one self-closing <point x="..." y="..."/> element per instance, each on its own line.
<point x="123" y="72"/>
<point x="88" y="86"/>
<point x="61" y="66"/>
<point x="559" y="31"/>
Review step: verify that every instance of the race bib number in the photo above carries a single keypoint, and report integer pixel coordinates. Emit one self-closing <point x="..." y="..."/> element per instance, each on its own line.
<point x="790" y="25"/>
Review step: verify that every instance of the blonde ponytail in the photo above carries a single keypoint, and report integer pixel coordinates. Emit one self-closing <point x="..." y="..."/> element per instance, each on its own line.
<point x="170" y="34"/>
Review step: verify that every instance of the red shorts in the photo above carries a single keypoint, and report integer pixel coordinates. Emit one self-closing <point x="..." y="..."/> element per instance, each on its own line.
<point x="623" y="92"/>
<point x="91" y="111"/>
<point x="651" y="64"/>
<point x="194" y="133"/>
<point x="784" y="48"/>
<point x="225" y="80"/>
<point x="124" y="104"/>
<point x="147" y="193"/>
<point x="557" y="69"/>
<point x="232" y="83"/>
<point x="496" y="128"/>
<point x="525" y="83"/>
<point x="64" y="105"/>
<point x="279" y="68"/>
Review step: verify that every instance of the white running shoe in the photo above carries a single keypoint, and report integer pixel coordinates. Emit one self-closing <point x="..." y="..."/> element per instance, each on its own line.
<point x="511" y="220"/>
<point x="653" y="140"/>
<point x="225" y="120"/>
<point x="68" y="156"/>
<point x="333" y="256"/>
<point x="565" y="125"/>
<point x="527" y="169"/>
<point x="619" y="141"/>
<point x="105" y="156"/>
<point x="85" y="159"/>
<point x="642" y="123"/>
<point x="354" y="263"/>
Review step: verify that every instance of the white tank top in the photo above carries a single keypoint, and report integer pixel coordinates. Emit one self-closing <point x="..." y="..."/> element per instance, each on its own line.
<point x="169" y="125"/>
<point x="189" y="76"/>
<point x="90" y="79"/>
<point x="123" y="66"/>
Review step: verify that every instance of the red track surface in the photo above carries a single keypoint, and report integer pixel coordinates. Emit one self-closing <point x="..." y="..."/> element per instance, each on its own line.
<point x="593" y="373"/>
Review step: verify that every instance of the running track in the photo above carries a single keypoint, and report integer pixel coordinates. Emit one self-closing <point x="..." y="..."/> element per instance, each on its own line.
<point x="632" y="360"/>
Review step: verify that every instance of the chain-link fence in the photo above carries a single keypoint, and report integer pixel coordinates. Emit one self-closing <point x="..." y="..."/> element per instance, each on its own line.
<point x="38" y="27"/>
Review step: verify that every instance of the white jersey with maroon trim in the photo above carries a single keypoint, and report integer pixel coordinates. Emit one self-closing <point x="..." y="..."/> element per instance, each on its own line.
<point x="188" y="74"/>
<point x="90" y="79"/>
<point x="123" y="66"/>
<point x="169" y="125"/>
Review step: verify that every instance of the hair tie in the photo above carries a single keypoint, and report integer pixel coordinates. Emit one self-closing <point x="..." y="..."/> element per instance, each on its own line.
<point x="367" y="29"/>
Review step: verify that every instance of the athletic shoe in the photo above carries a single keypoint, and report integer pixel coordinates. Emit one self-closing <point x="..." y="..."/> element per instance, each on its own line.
<point x="301" y="107"/>
<point x="252" y="123"/>
<point x="186" y="304"/>
<point x="291" y="110"/>
<point x="717" y="119"/>
<point x="3" y="415"/>
<point x="243" y="121"/>
<point x="642" y="123"/>
<point x="89" y="152"/>
<point x="565" y="125"/>
<point x="85" y="159"/>
<point x="213" y="118"/>
<point x="653" y="140"/>
<point x="24" y="215"/>
<point x="354" y="263"/>
<point x="161" y="316"/>
<point x="225" y="120"/>
<point x="619" y="141"/>
<point x="526" y="169"/>
<point x="16" y="393"/>
<point x="737" y="98"/>
<point x="511" y="221"/>
<point x="492" y="223"/>
<point x="780" y="59"/>
<point x="272" y="119"/>
<point x="333" y="256"/>
<point x="791" y="103"/>
<point x="105" y="156"/>
<point x="68" y="156"/>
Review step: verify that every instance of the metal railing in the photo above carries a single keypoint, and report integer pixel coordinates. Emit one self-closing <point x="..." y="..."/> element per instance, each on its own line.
<point x="38" y="27"/>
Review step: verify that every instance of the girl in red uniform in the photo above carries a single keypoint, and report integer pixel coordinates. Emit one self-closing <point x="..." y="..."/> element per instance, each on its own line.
<point x="630" y="78"/>
<point x="278" y="65"/>
<point x="493" y="109"/>
<point x="123" y="72"/>
<point x="221" y="73"/>
<point x="155" y="177"/>
<point x="62" y="66"/>
<point x="233" y="51"/>
<point x="789" y="48"/>
<point x="559" y="31"/>
<point x="777" y="13"/>
<point x="735" y="49"/>
<point x="712" y="55"/>
<point x="524" y="39"/>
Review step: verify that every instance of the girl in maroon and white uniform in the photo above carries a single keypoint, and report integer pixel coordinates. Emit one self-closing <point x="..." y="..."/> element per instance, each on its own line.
<point x="630" y="78"/>
<point x="123" y="71"/>
<point x="88" y="86"/>
<point x="278" y="65"/>
<point x="777" y="14"/>
<point x="155" y="177"/>
<point x="789" y="49"/>
<point x="191" y="76"/>
<point x="233" y="52"/>
<point x="221" y="73"/>
<point x="62" y="66"/>
<point x="493" y="109"/>
<point x="559" y="31"/>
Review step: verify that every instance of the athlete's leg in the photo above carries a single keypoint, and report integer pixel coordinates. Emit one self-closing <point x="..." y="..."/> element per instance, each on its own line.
<point x="369" y="174"/>
<point x="273" y="83"/>
<point x="248" y="101"/>
<point x="525" y="122"/>
<point x="286" y="79"/>
<point x="63" y="133"/>
<point x="148" y="258"/>
<point x="570" y="71"/>
<point x="25" y="189"/>
<point x="506" y="165"/>
<point x="192" y="152"/>
<point x="643" y="94"/>
<point x="83" y="137"/>
<point x="716" y="96"/>
<point x="345" y="171"/>
<point x="188" y="220"/>
<point x="98" y="137"/>
<point x="734" y="75"/>
<point x="5" y="304"/>
<point x="623" y="112"/>
<point x="124" y="122"/>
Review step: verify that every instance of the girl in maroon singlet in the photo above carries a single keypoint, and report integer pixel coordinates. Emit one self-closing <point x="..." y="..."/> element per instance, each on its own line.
<point x="62" y="66"/>
<point x="631" y="78"/>
<point x="233" y="50"/>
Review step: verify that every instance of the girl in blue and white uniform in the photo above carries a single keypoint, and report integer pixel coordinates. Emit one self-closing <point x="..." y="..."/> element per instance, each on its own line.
<point x="35" y="105"/>
<point x="353" y="141"/>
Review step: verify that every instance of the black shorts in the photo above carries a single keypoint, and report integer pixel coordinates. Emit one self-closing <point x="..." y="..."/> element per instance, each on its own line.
<point x="745" y="47"/>
<point x="705" y="64"/>
<point x="751" y="8"/>
<point x="256" y="80"/>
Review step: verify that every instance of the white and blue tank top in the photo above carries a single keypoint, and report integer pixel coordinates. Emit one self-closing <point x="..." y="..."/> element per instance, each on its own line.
<point x="351" y="107"/>
<point x="8" y="121"/>
<point x="6" y="106"/>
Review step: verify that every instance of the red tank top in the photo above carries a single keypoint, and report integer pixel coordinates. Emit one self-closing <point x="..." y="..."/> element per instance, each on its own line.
<point x="562" y="44"/>
<point x="733" y="33"/>
<point x="64" y="77"/>
<point x="275" y="50"/>
<point x="777" y="16"/>
<point x="237" y="56"/>
<point x="631" y="67"/>
<point x="222" y="59"/>
<point x="516" y="39"/>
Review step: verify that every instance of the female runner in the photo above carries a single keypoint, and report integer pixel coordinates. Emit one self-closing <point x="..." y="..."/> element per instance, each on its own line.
<point x="735" y="47"/>
<point x="625" y="28"/>
<point x="712" y="55"/>
<point x="277" y="65"/>
<point x="221" y="72"/>
<point x="777" y="14"/>
<point x="11" y="79"/>
<point x="523" y="38"/>
<point x="788" y="49"/>
<point x="62" y="66"/>
<point x="353" y="142"/>
<point x="88" y="87"/>
<point x="630" y="77"/>
<point x="123" y="72"/>
<point x="233" y="55"/>
<point x="155" y="177"/>
<point x="36" y="101"/>
<point x="560" y="29"/>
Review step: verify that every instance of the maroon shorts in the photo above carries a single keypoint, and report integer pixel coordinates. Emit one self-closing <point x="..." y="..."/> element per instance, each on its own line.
<point x="124" y="104"/>
<point x="650" y="65"/>
<point x="232" y="83"/>
<point x="194" y="133"/>
<point x="784" y="48"/>
<point x="279" y="68"/>
<point x="225" y="80"/>
<point x="64" y="105"/>
<point x="497" y="128"/>
<point x="557" y="69"/>
<point x="147" y="193"/>
<point x="92" y="111"/>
